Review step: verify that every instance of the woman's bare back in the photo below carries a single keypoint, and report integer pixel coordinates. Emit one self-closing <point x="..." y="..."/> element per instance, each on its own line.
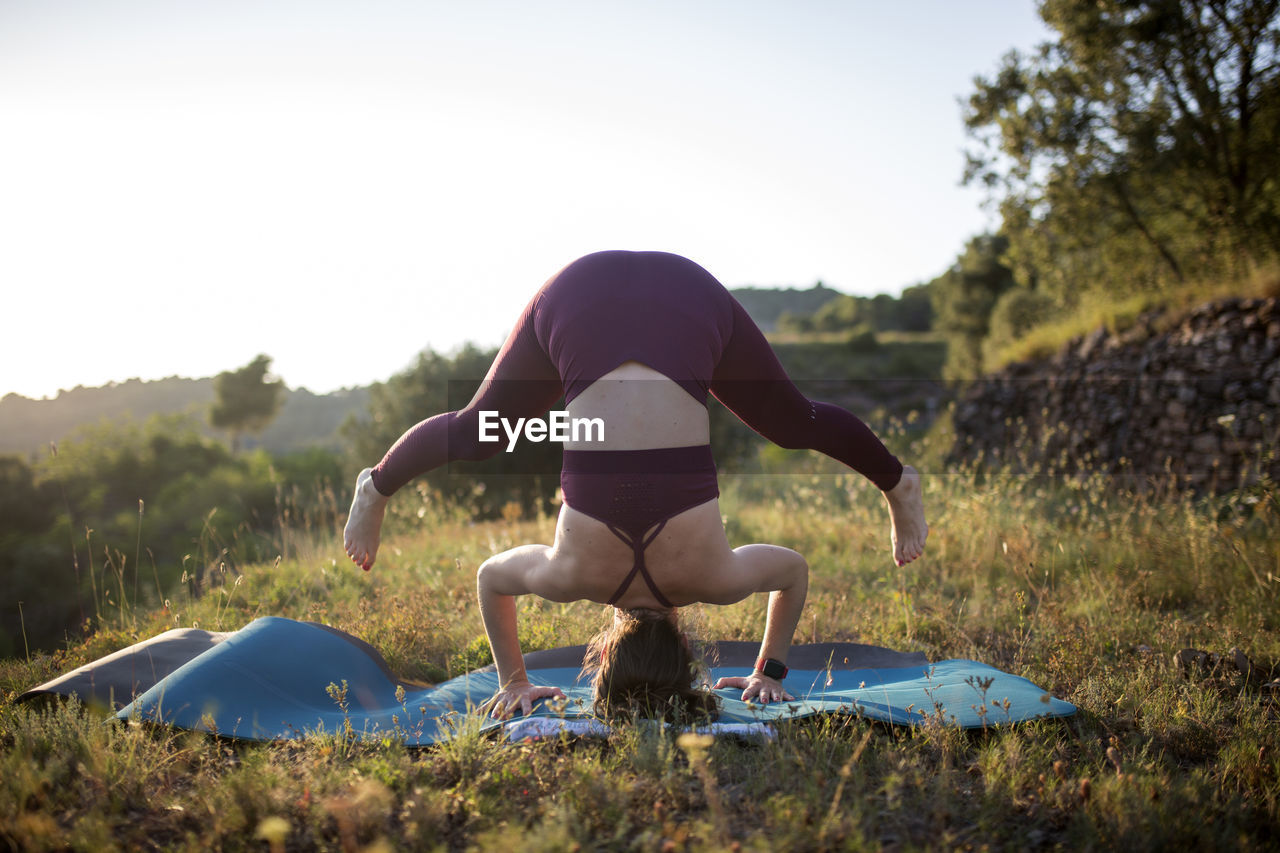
<point x="641" y="410"/>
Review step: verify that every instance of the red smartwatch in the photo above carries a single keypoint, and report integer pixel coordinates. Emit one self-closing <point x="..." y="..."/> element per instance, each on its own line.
<point x="775" y="669"/>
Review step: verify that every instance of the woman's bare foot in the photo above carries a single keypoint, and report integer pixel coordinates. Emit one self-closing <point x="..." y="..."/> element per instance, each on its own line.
<point x="364" y="522"/>
<point x="906" y="511"/>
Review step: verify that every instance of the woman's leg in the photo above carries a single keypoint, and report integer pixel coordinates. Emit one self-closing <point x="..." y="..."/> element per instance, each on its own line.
<point x="521" y="383"/>
<point x="752" y="384"/>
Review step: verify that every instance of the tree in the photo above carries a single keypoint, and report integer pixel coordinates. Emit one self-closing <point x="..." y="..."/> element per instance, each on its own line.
<point x="1015" y="313"/>
<point x="910" y="312"/>
<point x="963" y="299"/>
<point x="915" y="309"/>
<point x="247" y="399"/>
<point x="1140" y="148"/>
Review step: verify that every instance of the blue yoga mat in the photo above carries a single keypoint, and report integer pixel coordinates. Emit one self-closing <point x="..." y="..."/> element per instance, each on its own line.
<point x="271" y="681"/>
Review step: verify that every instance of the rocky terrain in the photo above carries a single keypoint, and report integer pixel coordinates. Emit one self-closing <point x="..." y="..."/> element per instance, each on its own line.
<point x="1190" y="400"/>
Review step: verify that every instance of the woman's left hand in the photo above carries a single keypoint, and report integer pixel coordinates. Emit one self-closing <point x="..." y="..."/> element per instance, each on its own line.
<point x="756" y="686"/>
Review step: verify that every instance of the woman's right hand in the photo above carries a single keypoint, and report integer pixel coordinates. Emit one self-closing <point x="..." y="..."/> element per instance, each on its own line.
<point x="756" y="687"/>
<point x="517" y="695"/>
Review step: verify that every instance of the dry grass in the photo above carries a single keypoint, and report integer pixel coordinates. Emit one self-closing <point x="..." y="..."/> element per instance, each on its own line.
<point x="1118" y="313"/>
<point x="1084" y="591"/>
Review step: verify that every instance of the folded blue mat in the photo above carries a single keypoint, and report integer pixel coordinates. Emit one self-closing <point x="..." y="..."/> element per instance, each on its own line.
<point x="271" y="681"/>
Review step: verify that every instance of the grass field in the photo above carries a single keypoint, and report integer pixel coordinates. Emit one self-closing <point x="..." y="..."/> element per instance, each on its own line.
<point x="1087" y="592"/>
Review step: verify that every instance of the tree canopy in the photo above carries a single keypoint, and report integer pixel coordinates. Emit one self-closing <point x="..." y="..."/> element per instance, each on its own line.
<point x="1140" y="148"/>
<point x="910" y="312"/>
<point x="246" y="399"/>
<point x="964" y="298"/>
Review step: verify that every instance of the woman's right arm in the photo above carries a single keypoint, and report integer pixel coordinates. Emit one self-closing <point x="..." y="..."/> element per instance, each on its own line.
<point x="499" y="580"/>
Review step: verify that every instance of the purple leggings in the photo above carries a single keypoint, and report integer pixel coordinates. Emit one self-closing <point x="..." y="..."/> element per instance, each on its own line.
<point x="665" y="312"/>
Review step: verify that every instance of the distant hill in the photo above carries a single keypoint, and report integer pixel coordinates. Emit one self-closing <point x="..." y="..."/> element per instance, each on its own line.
<point x="766" y="304"/>
<point x="305" y="420"/>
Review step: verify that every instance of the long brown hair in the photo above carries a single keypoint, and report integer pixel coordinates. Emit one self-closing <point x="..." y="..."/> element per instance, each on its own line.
<point x="643" y="665"/>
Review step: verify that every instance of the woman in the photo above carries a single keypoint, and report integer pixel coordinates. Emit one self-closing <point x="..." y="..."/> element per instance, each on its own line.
<point x="637" y="340"/>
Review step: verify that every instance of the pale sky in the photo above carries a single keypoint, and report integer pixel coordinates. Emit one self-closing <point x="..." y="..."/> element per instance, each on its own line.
<point x="184" y="185"/>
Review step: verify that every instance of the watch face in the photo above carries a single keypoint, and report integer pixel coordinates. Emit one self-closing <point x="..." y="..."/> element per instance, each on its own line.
<point x="773" y="669"/>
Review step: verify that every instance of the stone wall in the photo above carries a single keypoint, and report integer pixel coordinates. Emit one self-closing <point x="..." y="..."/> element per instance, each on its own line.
<point x="1191" y="399"/>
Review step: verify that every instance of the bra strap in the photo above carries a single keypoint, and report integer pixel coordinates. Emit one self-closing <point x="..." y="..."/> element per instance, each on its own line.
<point x="637" y="548"/>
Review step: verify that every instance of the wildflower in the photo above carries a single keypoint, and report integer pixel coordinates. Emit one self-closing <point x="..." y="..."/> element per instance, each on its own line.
<point x="273" y="830"/>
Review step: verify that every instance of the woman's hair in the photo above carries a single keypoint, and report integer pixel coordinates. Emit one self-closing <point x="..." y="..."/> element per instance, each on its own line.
<point x="643" y="665"/>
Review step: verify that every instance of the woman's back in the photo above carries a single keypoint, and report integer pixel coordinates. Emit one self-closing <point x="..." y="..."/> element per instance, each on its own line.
<point x="640" y="409"/>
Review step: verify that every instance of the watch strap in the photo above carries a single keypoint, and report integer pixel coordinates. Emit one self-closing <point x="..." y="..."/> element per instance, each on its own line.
<point x="774" y="669"/>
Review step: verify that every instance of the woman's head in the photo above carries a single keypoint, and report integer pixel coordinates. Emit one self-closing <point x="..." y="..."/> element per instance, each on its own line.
<point x="643" y="665"/>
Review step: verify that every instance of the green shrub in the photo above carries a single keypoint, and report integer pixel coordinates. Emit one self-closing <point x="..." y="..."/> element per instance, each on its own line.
<point x="862" y="340"/>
